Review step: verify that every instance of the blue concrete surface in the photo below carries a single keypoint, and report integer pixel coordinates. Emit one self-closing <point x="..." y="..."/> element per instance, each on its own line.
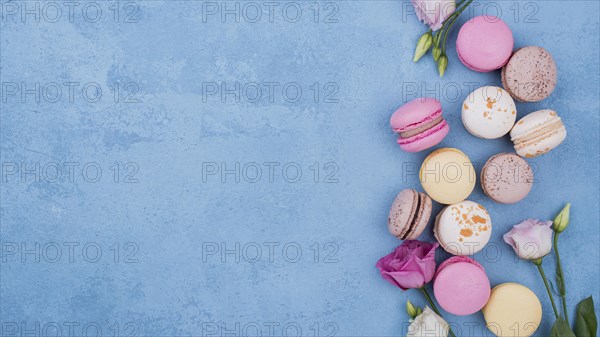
<point x="162" y="244"/>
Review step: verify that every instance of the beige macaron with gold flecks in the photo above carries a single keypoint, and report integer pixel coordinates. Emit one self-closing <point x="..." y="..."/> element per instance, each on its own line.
<point x="463" y="228"/>
<point x="538" y="133"/>
<point x="489" y="112"/>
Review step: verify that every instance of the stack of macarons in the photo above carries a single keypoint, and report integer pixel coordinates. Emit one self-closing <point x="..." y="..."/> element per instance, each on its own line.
<point x="447" y="176"/>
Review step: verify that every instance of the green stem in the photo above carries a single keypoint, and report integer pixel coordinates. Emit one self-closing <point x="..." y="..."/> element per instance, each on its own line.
<point x="438" y="35"/>
<point x="457" y="10"/>
<point x="452" y="21"/>
<point x="437" y="38"/>
<point x="561" y="279"/>
<point x="456" y="7"/>
<point x="538" y="263"/>
<point x="434" y="308"/>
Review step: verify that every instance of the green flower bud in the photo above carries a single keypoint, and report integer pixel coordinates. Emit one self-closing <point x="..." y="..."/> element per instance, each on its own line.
<point x="442" y="64"/>
<point x="562" y="219"/>
<point x="411" y="310"/>
<point x="437" y="52"/>
<point x="423" y="45"/>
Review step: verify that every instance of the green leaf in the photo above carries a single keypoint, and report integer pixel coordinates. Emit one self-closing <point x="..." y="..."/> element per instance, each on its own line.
<point x="562" y="219"/>
<point x="561" y="329"/>
<point x="411" y="310"/>
<point x="423" y="45"/>
<point x="585" y="320"/>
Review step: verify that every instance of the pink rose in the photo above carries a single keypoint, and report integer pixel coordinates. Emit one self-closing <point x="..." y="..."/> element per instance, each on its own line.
<point x="434" y="12"/>
<point x="531" y="239"/>
<point x="410" y="266"/>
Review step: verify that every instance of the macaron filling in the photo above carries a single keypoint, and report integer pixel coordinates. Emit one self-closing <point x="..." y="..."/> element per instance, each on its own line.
<point x="415" y="218"/>
<point x="423" y="128"/>
<point x="539" y="134"/>
<point x="437" y="114"/>
<point x="409" y="214"/>
<point x="424" y="134"/>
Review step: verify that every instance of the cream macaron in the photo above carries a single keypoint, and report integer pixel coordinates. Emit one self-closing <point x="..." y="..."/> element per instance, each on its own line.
<point x="513" y="310"/>
<point x="538" y="133"/>
<point x="489" y="112"/>
<point x="463" y="228"/>
<point x="447" y="176"/>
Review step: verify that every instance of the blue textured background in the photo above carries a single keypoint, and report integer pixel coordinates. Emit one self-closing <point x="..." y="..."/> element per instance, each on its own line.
<point x="359" y="53"/>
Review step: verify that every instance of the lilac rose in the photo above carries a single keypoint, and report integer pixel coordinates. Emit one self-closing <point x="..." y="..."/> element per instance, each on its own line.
<point x="531" y="239"/>
<point x="434" y="12"/>
<point x="410" y="266"/>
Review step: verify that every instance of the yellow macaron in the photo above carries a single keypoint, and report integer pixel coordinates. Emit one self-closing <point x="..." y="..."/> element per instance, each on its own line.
<point x="447" y="176"/>
<point x="513" y="310"/>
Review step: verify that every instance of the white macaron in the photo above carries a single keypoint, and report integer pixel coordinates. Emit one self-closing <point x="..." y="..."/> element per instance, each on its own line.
<point x="463" y="228"/>
<point x="538" y="133"/>
<point x="489" y="112"/>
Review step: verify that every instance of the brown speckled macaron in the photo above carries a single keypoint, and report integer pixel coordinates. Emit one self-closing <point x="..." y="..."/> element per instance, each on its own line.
<point x="409" y="214"/>
<point x="530" y="74"/>
<point x="506" y="178"/>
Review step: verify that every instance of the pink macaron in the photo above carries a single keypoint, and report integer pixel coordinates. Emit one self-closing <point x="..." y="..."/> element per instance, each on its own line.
<point x="485" y="43"/>
<point x="461" y="286"/>
<point x="420" y="124"/>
